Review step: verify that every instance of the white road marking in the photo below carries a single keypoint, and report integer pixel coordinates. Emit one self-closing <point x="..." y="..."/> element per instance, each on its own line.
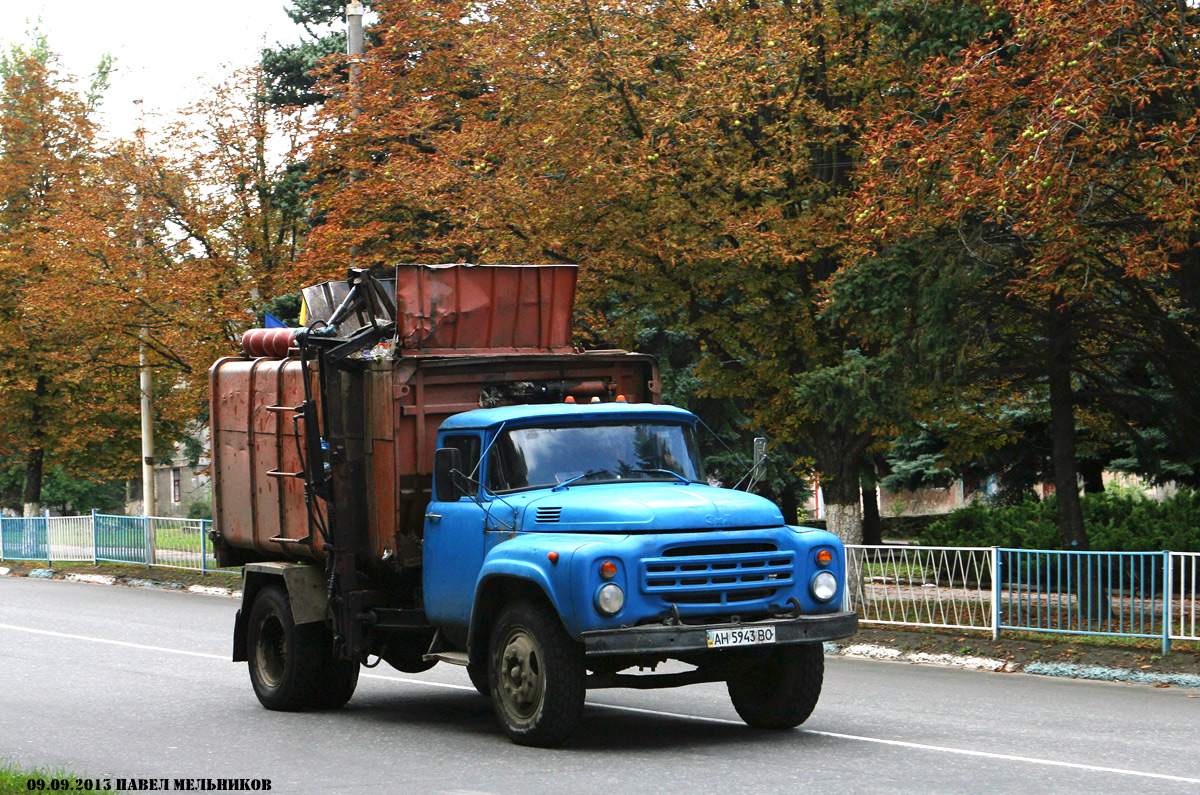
<point x="834" y="735"/>
<point x="114" y="642"/>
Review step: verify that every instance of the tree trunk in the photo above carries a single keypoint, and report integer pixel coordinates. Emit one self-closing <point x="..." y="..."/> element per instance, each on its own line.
<point x="872" y="525"/>
<point x="789" y="503"/>
<point x="843" y="518"/>
<point x="32" y="493"/>
<point x="34" y="462"/>
<point x="1088" y="581"/>
<point x="1093" y="476"/>
<point x="838" y="454"/>
<point x="1066" y="470"/>
<point x="843" y="511"/>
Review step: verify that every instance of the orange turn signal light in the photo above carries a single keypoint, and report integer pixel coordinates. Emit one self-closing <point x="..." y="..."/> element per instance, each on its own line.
<point x="608" y="569"/>
<point x="824" y="557"/>
<point x="552" y="557"/>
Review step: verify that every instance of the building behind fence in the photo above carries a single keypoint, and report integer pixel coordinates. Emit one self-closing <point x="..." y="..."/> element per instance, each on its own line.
<point x="1122" y="594"/>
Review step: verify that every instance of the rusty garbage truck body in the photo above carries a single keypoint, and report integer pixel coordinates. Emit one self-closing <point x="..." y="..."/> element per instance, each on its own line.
<point x="430" y="471"/>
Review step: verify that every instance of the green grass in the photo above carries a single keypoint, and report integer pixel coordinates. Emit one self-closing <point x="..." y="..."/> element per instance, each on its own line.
<point x="14" y="779"/>
<point x="908" y="571"/>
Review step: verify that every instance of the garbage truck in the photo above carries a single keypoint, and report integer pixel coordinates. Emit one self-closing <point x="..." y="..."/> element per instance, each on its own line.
<point x="429" y="471"/>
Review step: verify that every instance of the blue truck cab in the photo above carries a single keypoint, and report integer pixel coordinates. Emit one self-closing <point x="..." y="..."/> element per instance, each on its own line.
<point x="590" y="532"/>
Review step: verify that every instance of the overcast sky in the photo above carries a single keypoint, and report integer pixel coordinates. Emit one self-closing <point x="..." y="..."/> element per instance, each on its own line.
<point x="167" y="52"/>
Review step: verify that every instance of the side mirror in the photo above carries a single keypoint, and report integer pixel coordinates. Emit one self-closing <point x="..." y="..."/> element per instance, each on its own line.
<point x="759" y="469"/>
<point x="446" y="462"/>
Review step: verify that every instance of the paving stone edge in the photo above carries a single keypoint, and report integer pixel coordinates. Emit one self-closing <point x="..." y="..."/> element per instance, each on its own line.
<point x="874" y="651"/>
<point x="129" y="582"/>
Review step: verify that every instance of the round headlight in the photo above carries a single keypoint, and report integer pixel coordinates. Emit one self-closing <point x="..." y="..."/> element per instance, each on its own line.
<point x="824" y="586"/>
<point x="610" y="599"/>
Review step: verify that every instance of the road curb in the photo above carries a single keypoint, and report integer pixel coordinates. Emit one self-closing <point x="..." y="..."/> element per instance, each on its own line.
<point x="128" y="582"/>
<point x="874" y="651"/>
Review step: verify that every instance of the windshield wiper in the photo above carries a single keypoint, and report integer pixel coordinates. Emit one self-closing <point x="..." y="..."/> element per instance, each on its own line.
<point x="587" y="474"/>
<point x="668" y="472"/>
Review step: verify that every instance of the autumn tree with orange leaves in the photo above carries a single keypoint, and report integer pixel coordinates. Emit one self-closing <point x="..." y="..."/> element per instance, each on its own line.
<point x="52" y="405"/>
<point x="106" y="248"/>
<point x="694" y="159"/>
<point x="1040" y="188"/>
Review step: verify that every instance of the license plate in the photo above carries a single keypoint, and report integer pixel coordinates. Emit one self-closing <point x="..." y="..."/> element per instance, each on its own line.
<point x="741" y="636"/>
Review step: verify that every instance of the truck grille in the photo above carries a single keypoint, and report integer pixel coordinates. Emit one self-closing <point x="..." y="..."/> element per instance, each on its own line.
<point x="718" y="574"/>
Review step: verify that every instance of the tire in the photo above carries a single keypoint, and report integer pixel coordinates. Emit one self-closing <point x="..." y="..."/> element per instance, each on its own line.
<point x="292" y="667"/>
<point x="779" y="690"/>
<point x="478" y="672"/>
<point x="536" y="675"/>
<point x="339" y="683"/>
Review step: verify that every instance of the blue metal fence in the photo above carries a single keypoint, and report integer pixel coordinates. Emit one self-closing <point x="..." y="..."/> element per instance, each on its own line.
<point x="24" y="538"/>
<point x="121" y="539"/>
<point x="1121" y="594"/>
<point x="98" y="538"/>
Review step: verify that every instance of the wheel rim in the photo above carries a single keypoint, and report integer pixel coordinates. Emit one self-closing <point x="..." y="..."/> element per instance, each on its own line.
<point x="522" y="676"/>
<point x="270" y="653"/>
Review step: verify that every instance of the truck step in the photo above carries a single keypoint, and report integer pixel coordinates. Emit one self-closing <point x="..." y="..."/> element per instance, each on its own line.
<point x="282" y="540"/>
<point x="452" y="657"/>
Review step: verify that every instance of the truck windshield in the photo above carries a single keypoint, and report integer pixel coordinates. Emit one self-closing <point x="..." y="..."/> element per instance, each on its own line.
<point x="529" y="458"/>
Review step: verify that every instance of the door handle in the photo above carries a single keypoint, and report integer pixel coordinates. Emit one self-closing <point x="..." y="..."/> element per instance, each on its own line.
<point x="433" y="516"/>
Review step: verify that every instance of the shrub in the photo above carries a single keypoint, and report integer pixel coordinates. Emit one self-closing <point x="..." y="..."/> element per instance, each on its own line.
<point x="1118" y="522"/>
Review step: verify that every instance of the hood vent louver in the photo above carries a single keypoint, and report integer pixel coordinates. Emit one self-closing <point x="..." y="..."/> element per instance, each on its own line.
<point x="548" y="515"/>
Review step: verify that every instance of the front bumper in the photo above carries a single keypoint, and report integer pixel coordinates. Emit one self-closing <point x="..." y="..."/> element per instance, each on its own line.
<point x="671" y="639"/>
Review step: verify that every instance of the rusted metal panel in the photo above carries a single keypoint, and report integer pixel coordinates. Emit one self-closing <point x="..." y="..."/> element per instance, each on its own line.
<point x="485" y="307"/>
<point x="229" y="406"/>
<point x="254" y="435"/>
<point x="403" y="404"/>
<point x="468" y="309"/>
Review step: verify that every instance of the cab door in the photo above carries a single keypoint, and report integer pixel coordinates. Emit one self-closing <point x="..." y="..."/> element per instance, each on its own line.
<point x="454" y="543"/>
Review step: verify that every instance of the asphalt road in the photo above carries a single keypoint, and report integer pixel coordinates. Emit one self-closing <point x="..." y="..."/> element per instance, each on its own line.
<point x="135" y="683"/>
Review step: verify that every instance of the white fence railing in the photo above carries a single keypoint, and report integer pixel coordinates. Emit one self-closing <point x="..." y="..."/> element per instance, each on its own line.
<point x="943" y="587"/>
<point x="1184" y="579"/>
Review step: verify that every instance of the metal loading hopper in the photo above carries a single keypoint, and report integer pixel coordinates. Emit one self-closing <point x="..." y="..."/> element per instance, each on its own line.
<point x="463" y="309"/>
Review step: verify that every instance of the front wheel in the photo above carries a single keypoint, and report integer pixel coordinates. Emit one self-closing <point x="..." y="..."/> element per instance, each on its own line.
<point x="536" y="676"/>
<point x="779" y="690"/>
<point x="478" y="672"/>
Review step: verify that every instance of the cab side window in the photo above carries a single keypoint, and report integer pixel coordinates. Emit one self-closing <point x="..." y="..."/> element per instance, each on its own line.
<point x="469" y="445"/>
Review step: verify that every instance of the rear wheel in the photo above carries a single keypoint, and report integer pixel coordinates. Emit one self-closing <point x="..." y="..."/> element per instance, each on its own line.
<point x="536" y="675"/>
<point x="340" y="682"/>
<point x="292" y="666"/>
<point x="779" y="690"/>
